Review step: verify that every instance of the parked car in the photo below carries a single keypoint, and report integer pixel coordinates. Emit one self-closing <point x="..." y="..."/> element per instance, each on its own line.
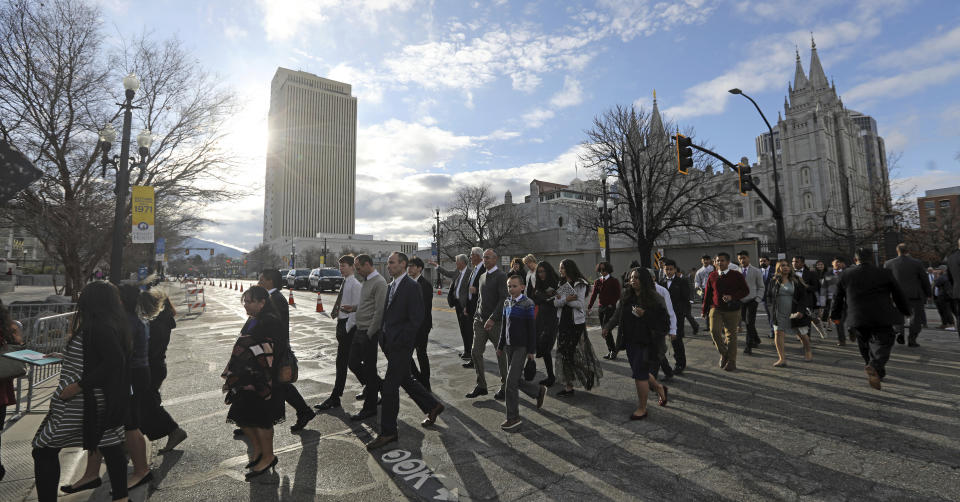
<point x="283" y="277"/>
<point x="298" y="278"/>
<point x="324" y="279"/>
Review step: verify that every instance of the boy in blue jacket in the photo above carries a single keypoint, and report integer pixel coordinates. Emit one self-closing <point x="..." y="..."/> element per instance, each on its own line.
<point x="518" y="338"/>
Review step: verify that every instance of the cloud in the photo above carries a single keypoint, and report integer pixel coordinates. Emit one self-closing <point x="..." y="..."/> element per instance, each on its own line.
<point x="905" y="83"/>
<point x="570" y="95"/>
<point x="630" y="19"/>
<point x="537" y="117"/>
<point x="368" y="86"/>
<point x="284" y="19"/>
<point x="769" y="62"/>
<point x="929" y="51"/>
<point x="395" y="148"/>
<point x="895" y="141"/>
<point x="233" y="32"/>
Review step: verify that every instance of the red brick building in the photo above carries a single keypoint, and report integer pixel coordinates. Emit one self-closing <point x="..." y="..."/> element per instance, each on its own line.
<point x="939" y="207"/>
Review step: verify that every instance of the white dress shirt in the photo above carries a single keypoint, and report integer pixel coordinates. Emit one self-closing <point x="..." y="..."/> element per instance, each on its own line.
<point x="666" y="298"/>
<point x="351" y="296"/>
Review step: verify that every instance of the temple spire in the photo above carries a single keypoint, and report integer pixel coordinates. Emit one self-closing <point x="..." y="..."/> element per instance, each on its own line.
<point x="656" y="122"/>
<point x="799" y="78"/>
<point x="817" y="78"/>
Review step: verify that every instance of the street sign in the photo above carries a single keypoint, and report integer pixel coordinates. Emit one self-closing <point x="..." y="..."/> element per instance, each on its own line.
<point x="433" y="249"/>
<point x="161" y="248"/>
<point x="142" y="272"/>
<point x="142" y="205"/>
<point x="602" y="237"/>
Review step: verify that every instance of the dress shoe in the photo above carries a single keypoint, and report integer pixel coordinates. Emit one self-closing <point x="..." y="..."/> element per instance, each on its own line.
<point x="608" y="355"/>
<point x="329" y="404"/>
<point x="89" y="485"/>
<point x="432" y="416"/>
<point x="499" y="395"/>
<point x="302" y="420"/>
<point x="900" y="339"/>
<point x="381" y="441"/>
<point x="872" y="376"/>
<point x="542" y="393"/>
<point x="363" y="414"/>
<point x="144" y="480"/>
<point x="361" y="396"/>
<point x="477" y="392"/>
<point x="271" y="467"/>
<point x="613" y="355"/>
<point x="468" y="364"/>
<point x="173" y="439"/>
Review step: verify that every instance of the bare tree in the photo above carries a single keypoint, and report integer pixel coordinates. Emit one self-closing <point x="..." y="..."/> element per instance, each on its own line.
<point x="476" y="219"/>
<point x="262" y="257"/>
<point x="58" y="86"/>
<point x="652" y="200"/>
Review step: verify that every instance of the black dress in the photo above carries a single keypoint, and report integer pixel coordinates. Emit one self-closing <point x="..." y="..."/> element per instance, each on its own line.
<point x="546" y="322"/>
<point x="254" y="399"/>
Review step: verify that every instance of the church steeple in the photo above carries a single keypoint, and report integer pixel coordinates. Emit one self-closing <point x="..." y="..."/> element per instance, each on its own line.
<point x="817" y="78"/>
<point x="799" y="78"/>
<point x="656" y="122"/>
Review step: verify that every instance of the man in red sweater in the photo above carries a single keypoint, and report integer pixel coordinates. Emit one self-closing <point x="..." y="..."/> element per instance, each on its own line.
<point x="607" y="289"/>
<point x="721" y="306"/>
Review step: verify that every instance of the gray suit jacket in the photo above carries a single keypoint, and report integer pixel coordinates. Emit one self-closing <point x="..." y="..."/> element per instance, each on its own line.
<point x="910" y="276"/>
<point x="755" y="282"/>
<point x="464" y="290"/>
<point x="493" y="292"/>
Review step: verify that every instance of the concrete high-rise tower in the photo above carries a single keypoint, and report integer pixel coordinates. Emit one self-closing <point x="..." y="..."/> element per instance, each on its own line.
<point x="311" y="157"/>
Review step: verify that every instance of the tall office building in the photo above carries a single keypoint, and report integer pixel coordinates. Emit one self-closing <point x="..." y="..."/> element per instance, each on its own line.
<point x="311" y="157"/>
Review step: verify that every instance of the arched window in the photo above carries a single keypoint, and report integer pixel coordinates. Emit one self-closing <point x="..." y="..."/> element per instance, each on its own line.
<point x="805" y="176"/>
<point x="810" y="226"/>
<point x="808" y="200"/>
<point x="758" y="208"/>
<point x="560" y="221"/>
<point x="739" y="210"/>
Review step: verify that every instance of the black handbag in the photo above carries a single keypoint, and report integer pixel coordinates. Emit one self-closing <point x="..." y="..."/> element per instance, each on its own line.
<point x="529" y="370"/>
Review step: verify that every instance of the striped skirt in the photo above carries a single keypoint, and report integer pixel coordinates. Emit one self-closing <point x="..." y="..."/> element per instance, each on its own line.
<point x="63" y="425"/>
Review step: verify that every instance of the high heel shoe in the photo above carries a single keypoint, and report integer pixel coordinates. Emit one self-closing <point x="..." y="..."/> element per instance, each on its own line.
<point x="254" y="461"/>
<point x="252" y="474"/>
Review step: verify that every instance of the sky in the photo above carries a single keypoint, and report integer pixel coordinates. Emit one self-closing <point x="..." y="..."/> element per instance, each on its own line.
<point x="461" y="92"/>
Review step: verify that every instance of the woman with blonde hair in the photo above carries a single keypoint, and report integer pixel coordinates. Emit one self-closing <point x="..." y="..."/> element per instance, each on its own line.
<point x="789" y="303"/>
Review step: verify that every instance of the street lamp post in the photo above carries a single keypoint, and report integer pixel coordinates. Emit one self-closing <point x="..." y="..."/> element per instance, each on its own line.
<point x="122" y="165"/>
<point x="436" y="237"/>
<point x="777" y="202"/>
<point x="603" y="205"/>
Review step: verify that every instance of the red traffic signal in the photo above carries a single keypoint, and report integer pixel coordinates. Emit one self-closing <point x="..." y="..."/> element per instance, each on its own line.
<point x="684" y="153"/>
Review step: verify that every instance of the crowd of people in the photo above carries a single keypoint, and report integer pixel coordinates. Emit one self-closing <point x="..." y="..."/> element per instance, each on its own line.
<point x="108" y="397"/>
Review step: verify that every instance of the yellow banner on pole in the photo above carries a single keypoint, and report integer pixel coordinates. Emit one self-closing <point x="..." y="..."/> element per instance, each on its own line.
<point x="142" y="206"/>
<point x="602" y="237"/>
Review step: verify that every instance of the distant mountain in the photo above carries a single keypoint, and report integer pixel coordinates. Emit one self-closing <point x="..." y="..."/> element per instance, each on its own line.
<point x="193" y="243"/>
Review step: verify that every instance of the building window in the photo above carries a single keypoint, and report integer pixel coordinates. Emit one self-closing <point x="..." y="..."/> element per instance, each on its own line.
<point x="931" y="220"/>
<point x="560" y="221"/>
<point x="807" y="201"/>
<point x="944" y="203"/>
<point x="932" y="212"/>
<point x="739" y="210"/>
<point x="758" y="208"/>
<point x="928" y="204"/>
<point x="805" y="176"/>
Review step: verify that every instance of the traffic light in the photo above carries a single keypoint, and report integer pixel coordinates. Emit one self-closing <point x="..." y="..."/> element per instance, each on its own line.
<point x="743" y="178"/>
<point x="684" y="153"/>
<point x="188" y="251"/>
<point x="211" y="251"/>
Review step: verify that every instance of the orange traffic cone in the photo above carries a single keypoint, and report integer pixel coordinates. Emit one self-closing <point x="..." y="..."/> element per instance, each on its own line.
<point x="241" y="288"/>
<point x="319" y="303"/>
<point x="291" y="302"/>
<point x="439" y="292"/>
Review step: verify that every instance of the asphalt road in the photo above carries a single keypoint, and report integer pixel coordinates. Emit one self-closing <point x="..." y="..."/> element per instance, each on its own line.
<point x="811" y="431"/>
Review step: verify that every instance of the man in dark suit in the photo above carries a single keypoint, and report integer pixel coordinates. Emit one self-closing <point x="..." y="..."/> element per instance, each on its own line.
<point x="270" y="280"/>
<point x="486" y="322"/>
<point x="679" y="296"/>
<point x="912" y="279"/>
<point x="953" y="274"/>
<point x="768" y="272"/>
<point x="457" y="300"/>
<point x="473" y="294"/>
<point x="422" y="374"/>
<point x="402" y="318"/>
<point x="874" y="303"/>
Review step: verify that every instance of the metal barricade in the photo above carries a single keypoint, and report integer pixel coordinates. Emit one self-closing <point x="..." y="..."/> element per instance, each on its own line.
<point x="46" y="334"/>
<point x="25" y="312"/>
<point x="195" y="299"/>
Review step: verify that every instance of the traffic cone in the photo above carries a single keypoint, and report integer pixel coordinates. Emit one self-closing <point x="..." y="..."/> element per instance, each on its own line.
<point x="319" y="303"/>
<point x="439" y="292"/>
<point x="291" y="302"/>
<point x="241" y="288"/>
